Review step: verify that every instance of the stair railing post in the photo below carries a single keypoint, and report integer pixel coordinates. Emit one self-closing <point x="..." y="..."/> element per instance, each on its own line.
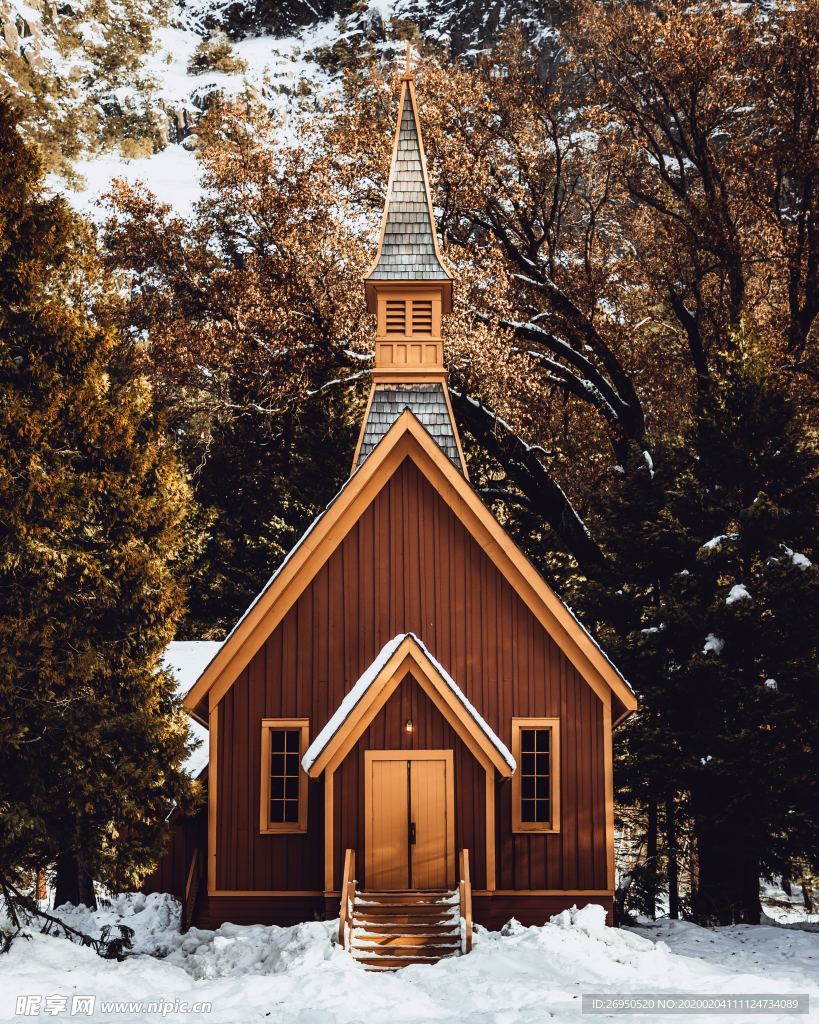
<point x="465" y="894"/>
<point x="345" y="910"/>
<point x="351" y="902"/>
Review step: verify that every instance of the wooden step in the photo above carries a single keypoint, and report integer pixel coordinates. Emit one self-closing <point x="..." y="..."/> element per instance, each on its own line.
<point x="384" y="963"/>
<point x="398" y="922"/>
<point x="406" y="892"/>
<point x="390" y="894"/>
<point x="402" y="952"/>
<point x="405" y="901"/>
<point x="396" y="929"/>
<point x="418" y="939"/>
<point x="416" y="909"/>
<point x="416" y="928"/>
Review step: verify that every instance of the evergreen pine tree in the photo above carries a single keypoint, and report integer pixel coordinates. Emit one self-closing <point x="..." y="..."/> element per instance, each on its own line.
<point x="711" y="611"/>
<point x="257" y="492"/>
<point x="92" y="503"/>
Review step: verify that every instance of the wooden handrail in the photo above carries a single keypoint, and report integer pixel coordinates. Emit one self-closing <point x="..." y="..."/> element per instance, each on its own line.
<point x="192" y="883"/>
<point x="345" y="916"/>
<point x="465" y="900"/>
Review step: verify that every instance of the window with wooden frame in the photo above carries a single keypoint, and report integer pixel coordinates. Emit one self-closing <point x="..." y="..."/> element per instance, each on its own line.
<point x="283" y="805"/>
<point x="536" y="782"/>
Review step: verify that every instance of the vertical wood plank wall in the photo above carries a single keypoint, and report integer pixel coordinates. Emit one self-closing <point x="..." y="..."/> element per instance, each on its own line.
<point x="409" y="565"/>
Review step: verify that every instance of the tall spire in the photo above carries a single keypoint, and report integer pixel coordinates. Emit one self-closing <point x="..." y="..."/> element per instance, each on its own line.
<point x="409" y="289"/>
<point x="408" y="246"/>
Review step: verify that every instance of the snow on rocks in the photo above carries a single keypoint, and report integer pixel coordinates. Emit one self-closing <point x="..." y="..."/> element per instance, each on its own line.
<point x="737" y="593"/>
<point x="715" y="542"/>
<point x="713" y="644"/>
<point x="298" y="975"/>
<point x="797" y="558"/>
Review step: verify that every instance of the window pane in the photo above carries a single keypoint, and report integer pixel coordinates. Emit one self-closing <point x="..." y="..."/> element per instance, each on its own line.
<point x="277" y="739"/>
<point x="527" y="810"/>
<point x="542" y="764"/>
<point x="527" y="764"/>
<point x="527" y="787"/>
<point x="291" y="764"/>
<point x="543" y="740"/>
<point x="527" y="739"/>
<point x="293" y="741"/>
<point x="542" y="810"/>
<point x="276" y="788"/>
<point x="292" y="787"/>
<point x="277" y="810"/>
<point x="291" y="810"/>
<point x="277" y="764"/>
<point x="542" y="786"/>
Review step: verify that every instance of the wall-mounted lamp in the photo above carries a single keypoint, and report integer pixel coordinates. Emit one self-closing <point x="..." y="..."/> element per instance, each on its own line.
<point x="408" y="726"/>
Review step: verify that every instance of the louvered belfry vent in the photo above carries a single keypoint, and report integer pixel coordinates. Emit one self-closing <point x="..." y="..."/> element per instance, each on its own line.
<point x="422" y="316"/>
<point x="396" y="316"/>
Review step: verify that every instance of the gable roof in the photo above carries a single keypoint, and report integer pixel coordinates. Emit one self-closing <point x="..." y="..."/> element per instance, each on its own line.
<point x="407" y="438"/>
<point x="362" y="703"/>
<point x="408" y="247"/>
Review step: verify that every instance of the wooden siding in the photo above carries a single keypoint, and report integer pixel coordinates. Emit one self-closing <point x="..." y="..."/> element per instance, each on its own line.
<point x="186" y="835"/>
<point x="409" y="565"/>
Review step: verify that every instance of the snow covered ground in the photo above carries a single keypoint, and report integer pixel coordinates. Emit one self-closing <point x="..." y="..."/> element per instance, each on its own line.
<point x="298" y="975"/>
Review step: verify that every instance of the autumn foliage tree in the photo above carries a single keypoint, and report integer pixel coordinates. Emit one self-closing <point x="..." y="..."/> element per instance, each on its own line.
<point x="251" y="321"/>
<point x="92" y="506"/>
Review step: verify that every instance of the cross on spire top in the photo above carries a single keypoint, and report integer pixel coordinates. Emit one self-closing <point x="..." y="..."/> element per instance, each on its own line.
<point x="408" y="67"/>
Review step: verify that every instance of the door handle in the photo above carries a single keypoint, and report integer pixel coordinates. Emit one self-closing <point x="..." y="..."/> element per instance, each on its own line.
<point x="412" y="833"/>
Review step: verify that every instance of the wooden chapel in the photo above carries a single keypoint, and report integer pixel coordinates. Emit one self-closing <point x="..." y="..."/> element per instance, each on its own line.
<point x="407" y="701"/>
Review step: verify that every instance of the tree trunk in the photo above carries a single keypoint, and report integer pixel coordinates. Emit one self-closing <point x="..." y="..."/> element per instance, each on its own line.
<point x="651" y="860"/>
<point x="74" y="884"/>
<point x="41" y="892"/>
<point x="728" y="870"/>
<point x="672" y="854"/>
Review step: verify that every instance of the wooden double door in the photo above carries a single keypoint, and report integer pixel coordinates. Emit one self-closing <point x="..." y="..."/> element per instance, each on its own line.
<point x="410" y="819"/>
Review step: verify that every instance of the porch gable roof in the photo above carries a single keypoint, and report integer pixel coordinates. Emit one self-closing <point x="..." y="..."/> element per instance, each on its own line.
<point x="403" y="654"/>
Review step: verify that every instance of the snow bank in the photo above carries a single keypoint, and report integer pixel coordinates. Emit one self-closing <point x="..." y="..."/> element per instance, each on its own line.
<point x="154" y="919"/>
<point x="298" y="975"/>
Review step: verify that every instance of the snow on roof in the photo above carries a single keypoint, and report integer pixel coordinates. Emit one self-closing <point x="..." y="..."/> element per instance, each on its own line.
<point x="187" y="660"/>
<point x="366" y="680"/>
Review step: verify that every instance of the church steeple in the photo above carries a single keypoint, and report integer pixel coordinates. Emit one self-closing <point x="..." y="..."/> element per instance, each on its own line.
<point x="409" y="289"/>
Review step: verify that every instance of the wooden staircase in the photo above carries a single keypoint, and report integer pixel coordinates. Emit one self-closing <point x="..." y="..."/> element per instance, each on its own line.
<point x="385" y="931"/>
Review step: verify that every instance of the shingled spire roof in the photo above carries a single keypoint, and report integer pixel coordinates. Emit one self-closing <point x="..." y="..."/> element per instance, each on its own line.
<point x="409" y="247"/>
<point x="410" y="290"/>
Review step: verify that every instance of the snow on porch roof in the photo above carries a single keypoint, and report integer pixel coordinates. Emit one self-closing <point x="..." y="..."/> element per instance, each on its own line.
<point x="370" y="675"/>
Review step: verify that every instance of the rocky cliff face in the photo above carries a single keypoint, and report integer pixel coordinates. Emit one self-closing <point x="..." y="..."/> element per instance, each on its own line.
<point x="129" y="79"/>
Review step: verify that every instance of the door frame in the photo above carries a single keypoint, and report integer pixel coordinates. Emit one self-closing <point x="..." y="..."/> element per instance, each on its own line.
<point x="448" y="756"/>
